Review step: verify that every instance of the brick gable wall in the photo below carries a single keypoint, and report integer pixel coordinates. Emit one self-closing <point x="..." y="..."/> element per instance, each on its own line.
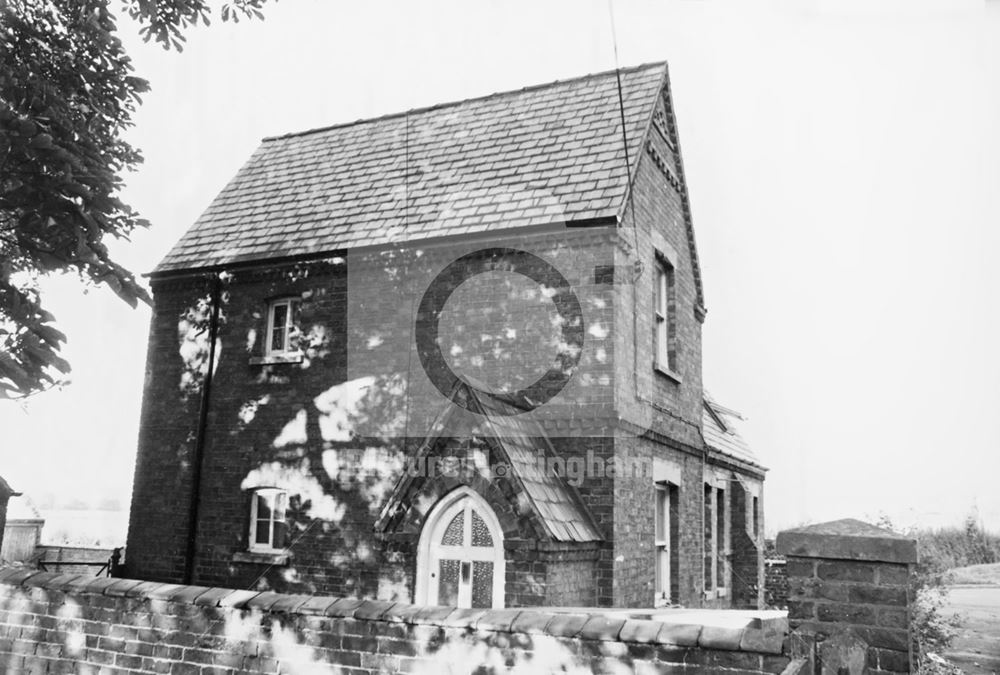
<point x="279" y="424"/>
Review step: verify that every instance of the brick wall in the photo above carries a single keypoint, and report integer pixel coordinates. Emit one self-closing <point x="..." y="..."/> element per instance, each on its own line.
<point x="286" y="424"/>
<point x="266" y="426"/>
<point x="62" y="623"/>
<point x="634" y="552"/>
<point x="161" y="488"/>
<point x="854" y="576"/>
<point x="775" y="582"/>
<point x="652" y="224"/>
<point x="746" y="557"/>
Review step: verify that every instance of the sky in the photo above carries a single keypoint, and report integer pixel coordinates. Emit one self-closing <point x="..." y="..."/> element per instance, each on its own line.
<point x="842" y="162"/>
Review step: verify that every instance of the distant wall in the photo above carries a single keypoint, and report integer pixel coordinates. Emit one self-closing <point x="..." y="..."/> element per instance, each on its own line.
<point x="74" y="559"/>
<point x="63" y="623"/>
<point x="775" y="582"/>
<point x="20" y="539"/>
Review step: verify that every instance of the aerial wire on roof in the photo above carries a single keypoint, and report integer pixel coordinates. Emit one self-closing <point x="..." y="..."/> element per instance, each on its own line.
<point x="628" y="161"/>
<point x="637" y="263"/>
<point x="406" y="169"/>
<point x="413" y="302"/>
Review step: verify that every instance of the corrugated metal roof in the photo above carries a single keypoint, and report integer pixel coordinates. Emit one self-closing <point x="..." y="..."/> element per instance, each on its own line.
<point x="546" y="154"/>
<point x="720" y="427"/>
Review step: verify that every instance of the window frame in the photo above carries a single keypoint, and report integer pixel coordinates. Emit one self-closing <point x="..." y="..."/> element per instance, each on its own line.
<point x="666" y="494"/>
<point x="755" y="516"/>
<point x="290" y="305"/>
<point x="273" y="521"/>
<point x="664" y="317"/>
<point x="717" y="535"/>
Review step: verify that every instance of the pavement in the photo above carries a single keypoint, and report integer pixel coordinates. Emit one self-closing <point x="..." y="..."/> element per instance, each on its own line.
<point x="976" y="650"/>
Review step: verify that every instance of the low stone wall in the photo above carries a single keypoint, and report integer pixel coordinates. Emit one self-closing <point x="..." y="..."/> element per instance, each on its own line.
<point x="66" y="623"/>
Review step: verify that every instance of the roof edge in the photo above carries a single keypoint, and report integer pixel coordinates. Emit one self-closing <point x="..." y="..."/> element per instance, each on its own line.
<point x="633" y="165"/>
<point x="717" y="456"/>
<point x="529" y="230"/>
<point x="700" y="309"/>
<point x="449" y="104"/>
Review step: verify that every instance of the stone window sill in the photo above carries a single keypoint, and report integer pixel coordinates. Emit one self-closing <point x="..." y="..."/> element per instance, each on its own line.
<point x="272" y="359"/>
<point x="262" y="557"/>
<point x="666" y="372"/>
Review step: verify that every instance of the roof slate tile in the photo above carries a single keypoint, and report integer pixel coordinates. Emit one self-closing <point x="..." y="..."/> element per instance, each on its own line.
<point x="328" y="189"/>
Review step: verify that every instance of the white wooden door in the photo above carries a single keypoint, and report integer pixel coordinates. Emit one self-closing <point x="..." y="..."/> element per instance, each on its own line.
<point x="463" y="562"/>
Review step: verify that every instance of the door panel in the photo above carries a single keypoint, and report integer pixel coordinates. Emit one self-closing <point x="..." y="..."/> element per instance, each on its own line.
<point x="448" y="580"/>
<point x="464" y="557"/>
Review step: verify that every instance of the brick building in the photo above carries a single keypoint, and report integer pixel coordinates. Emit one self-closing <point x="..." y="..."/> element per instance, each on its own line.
<point x="457" y="360"/>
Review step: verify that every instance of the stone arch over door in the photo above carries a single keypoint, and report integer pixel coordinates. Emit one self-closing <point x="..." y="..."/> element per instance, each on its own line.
<point x="460" y="555"/>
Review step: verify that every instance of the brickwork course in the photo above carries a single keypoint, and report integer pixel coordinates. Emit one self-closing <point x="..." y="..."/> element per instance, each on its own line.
<point x="850" y="573"/>
<point x="64" y="623"/>
<point x="354" y="222"/>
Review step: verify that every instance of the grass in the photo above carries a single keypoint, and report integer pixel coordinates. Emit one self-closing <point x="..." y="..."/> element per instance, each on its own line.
<point x="974" y="575"/>
<point x="976" y="648"/>
<point x="90" y="527"/>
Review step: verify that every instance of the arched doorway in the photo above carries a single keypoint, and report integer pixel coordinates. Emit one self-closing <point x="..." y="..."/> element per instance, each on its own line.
<point x="460" y="560"/>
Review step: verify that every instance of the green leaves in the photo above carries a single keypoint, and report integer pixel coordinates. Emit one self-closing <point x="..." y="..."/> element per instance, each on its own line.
<point x="165" y="22"/>
<point x="67" y="94"/>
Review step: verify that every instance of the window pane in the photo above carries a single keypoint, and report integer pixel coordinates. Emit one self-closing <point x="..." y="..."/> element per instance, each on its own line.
<point x="280" y="316"/>
<point x="482" y="583"/>
<point x="263" y="535"/>
<point x="278" y="340"/>
<point x="453" y="533"/>
<point x="448" y="582"/>
<point x="263" y="507"/>
<point x="279" y="534"/>
<point x="661" y="514"/>
<point x="673" y="499"/>
<point x="720" y="533"/>
<point x="661" y="342"/>
<point x="661" y="291"/>
<point x="278" y="324"/>
<point x="709" y="539"/>
<point x="279" y="505"/>
<point x="662" y="573"/>
<point x="480" y="533"/>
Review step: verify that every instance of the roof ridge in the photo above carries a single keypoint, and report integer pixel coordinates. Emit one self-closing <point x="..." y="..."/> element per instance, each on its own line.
<point x="449" y="104"/>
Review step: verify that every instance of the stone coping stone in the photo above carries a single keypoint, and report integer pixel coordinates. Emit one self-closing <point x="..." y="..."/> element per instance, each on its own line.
<point x="742" y="630"/>
<point x="566" y="624"/>
<point x="847" y="539"/>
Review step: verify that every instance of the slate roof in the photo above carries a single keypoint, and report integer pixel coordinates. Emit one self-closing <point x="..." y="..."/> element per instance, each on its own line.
<point x="558" y="506"/>
<point x="555" y="504"/>
<point x="540" y="155"/>
<point x="720" y="428"/>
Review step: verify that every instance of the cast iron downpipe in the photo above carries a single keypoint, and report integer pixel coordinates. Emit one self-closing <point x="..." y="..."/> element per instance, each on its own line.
<point x="199" y="444"/>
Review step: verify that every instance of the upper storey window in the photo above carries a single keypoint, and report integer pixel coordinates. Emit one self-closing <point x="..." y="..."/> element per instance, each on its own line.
<point x="281" y="327"/>
<point x="663" y="317"/>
